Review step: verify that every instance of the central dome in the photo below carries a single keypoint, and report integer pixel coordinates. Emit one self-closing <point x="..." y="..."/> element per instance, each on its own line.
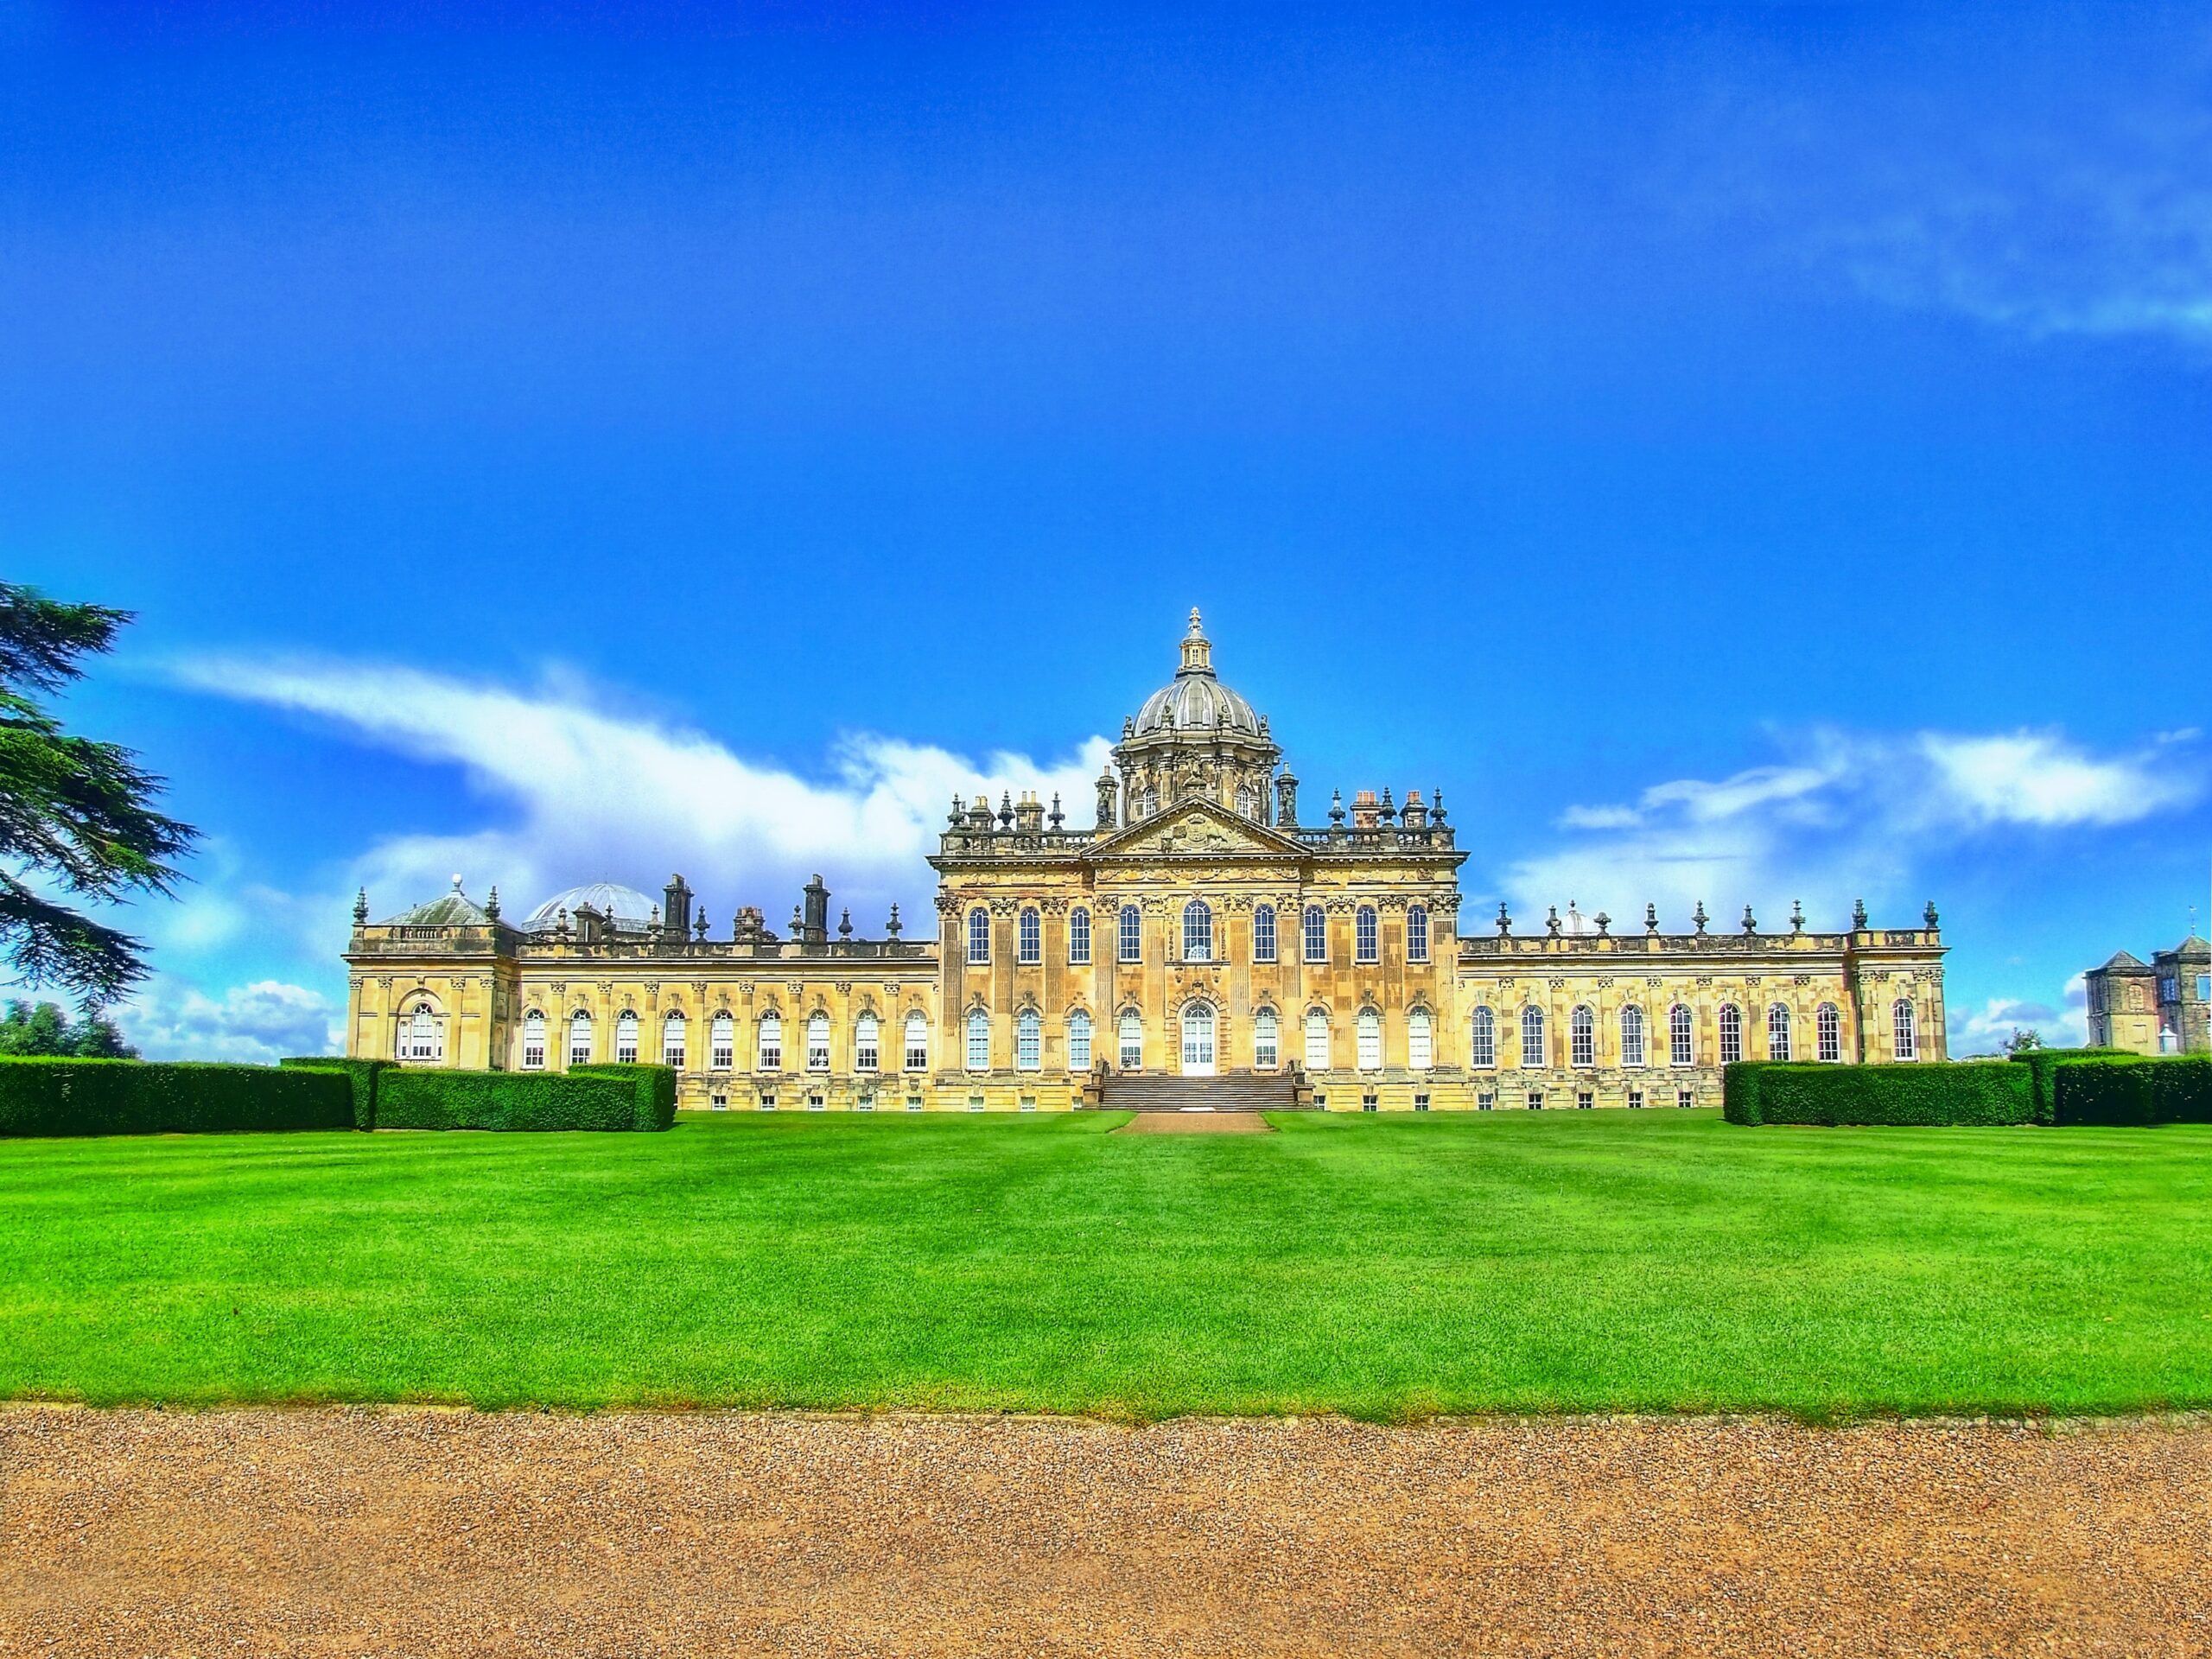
<point x="1195" y="699"/>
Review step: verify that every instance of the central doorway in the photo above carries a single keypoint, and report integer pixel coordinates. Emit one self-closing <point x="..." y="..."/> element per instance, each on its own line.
<point x="1198" y="1039"/>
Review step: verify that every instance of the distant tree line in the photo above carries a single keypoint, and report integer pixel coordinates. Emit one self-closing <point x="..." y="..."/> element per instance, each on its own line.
<point x="46" y="1029"/>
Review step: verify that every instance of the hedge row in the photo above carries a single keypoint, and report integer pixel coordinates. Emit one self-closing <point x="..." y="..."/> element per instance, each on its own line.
<point x="2043" y="1066"/>
<point x="596" y="1097"/>
<point x="1780" y="1092"/>
<point x="360" y="1077"/>
<point x="2134" y="1089"/>
<point x="70" y="1096"/>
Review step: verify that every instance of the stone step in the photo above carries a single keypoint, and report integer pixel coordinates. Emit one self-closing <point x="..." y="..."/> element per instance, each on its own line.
<point x="1233" y="1092"/>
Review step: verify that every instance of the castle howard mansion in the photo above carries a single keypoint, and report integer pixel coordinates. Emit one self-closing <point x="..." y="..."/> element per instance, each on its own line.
<point x="1196" y="940"/>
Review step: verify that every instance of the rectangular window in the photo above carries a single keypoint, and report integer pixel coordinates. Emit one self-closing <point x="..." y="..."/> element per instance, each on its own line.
<point x="979" y="1044"/>
<point x="864" y="1051"/>
<point x="1584" y="1100"/>
<point x="1264" y="1040"/>
<point x="864" y="1104"/>
<point x="767" y="1102"/>
<point x="725" y="1052"/>
<point x="1536" y="1100"/>
<point x="817" y="1104"/>
<point x="1028" y="1042"/>
<point x="917" y="1043"/>
<point x="1368" y="1102"/>
<point x="817" y="1054"/>
<point x="1132" y="934"/>
<point x="974" y="1103"/>
<point x="533" y="1055"/>
<point x="1685" y="1099"/>
<point x="1031" y="938"/>
<point x="720" y="1102"/>
<point x="1635" y="1100"/>
<point x="1263" y="933"/>
<point x="914" y="1102"/>
<point x="1317" y="934"/>
<point x="1485" y="1102"/>
<point x="1132" y="1044"/>
<point x="1029" y="1102"/>
<point x="1366" y="935"/>
<point x="1079" y="937"/>
<point x="1421" y="1102"/>
<point x="1079" y="1043"/>
<point x="1416" y="934"/>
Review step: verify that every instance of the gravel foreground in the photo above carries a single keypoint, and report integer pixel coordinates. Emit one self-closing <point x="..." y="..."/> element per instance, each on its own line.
<point x="374" y="1532"/>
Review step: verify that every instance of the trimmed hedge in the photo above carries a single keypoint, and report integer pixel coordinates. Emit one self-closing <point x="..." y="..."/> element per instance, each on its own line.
<point x="653" y="1087"/>
<point x="1739" y="1090"/>
<point x="1911" y="1093"/>
<point x="2134" y="1089"/>
<point x="441" y="1099"/>
<point x="2043" y="1066"/>
<point x="361" y="1074"/>
<point x="45" y="1095"/>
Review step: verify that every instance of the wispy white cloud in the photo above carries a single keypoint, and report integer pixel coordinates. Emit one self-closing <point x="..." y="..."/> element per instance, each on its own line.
<point x="1847" y="815"/>
<point x="172" y="1019"/>
<point x="1987" y="1029"/>
<point x="589" y="791"/>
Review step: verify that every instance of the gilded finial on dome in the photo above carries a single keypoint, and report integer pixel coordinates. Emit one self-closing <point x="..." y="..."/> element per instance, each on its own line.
<point x="1198" y="653"/>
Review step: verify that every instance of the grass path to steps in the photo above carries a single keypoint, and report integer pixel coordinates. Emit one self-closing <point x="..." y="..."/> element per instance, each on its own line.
<point x="1385" y="1268"/>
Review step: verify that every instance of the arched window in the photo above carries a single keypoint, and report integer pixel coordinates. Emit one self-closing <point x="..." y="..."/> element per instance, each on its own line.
<point x="1028" y="1040"/>
<point x="1416" y="933"/>
<point x="979" y="935"/>
<point x="1132" y="934"/>
<point x="867" y="1043"/>
<point x="721" y="1043"/>
<point x="1532" y="1040"/>
<point x="533" y="1040"/>
<point x="1132" y="1040"/>
<point x="580" y="1038"/>
<point x="771" y="1041"/>
<point x="1366" y="940"/>
<point x="1198" y="931"/>
<point x="1907" y="1026"/>
<point x="1317" y="934"/>
<point x="918" y="1041"/>
<point x="1581" y="1037"/>
<point x="1029" y="933"/>
<point x="1263" y="933"/>
<point x="979" y="1041"/>
<point x="421" y="1041"/>
<point x="1078" y="1041"/>
<point x="1247" y="801"/>
<point x="1827" y="1033"/>
<point x="1680" y="1030"/>
<point x="1368" y="1030"/>
<point x="671" y="1039"/>
<point x="817" y="1042"/>
<point x="1317" y="1040"/>
<point x="1632" y="1036"/>
<point x="1482" y="1047"/>
<point x="625" y="1038"/>
<point x="1267" y="1040"/>
<point x="1731" y="1033"/>
<point x="1079" y="936"/>
<point x="1777" y="1033"/>
<point x="1421" y="1040"/>
<point x="1151" y="801"/>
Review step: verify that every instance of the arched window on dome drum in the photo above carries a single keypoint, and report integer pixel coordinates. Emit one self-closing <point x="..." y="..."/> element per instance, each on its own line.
<point x="625" y="1038"/>
<point x="1532" y="1040"/>
<point x="533" y="1040"/>
<point x="1827" y="1033"/>
<point x="1078" y="1041"/>
<point x="1030" y="934"/>
<point x="979" y="935"/>
<point x="1581" y="1037"/>
<point x="1421" y="1040"/>
<point x="1482" y="1044"/>
<point x="817" y="1042"/>
<point x="1028" y="1040"/>
<point x="918" y="1041"/>
<point x="1263" y="933"/>
<point x="1248" y="803"/>
<point x="1198" y="931"/>
<point x="1777" y="1033"/>
<point x="721" y="1043"/>
<point x="1369" y="1031"/>
<point x="1317" y="1040"/>
<point x="1132" y="934"/>
<point x="1680" y="1031"/>
<point x="1366" y="937"/>
<point x="1416" y="933"/>
<point x="1151" y="802"/>
<point x="979" y="1041"/>
<point x="1267" y="1042"/>
<point x="771" y="1041"/>
<point x="867" y="1043"/>
<point x="1317" y="934"/>
<point x="580" y="1038"/>
<point x="1731" y="1033"/>
<point x="671" y="1039"/>
<point x="1632" y="1036"/>
<point x="1079" y="936"/>
<point x="1132" y="1040"/>
<point x="1906" y="1025"/>
<point x="420" y="1042"/>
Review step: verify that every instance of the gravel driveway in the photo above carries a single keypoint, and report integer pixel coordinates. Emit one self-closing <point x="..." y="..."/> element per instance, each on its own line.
<point x="360" y="1532"/>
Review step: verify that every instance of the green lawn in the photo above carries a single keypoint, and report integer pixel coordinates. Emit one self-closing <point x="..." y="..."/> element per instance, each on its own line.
<point x="1385" y="1267"/>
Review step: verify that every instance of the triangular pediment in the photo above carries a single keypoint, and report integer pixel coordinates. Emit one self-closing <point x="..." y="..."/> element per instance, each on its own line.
<point x="1198" y="827"/>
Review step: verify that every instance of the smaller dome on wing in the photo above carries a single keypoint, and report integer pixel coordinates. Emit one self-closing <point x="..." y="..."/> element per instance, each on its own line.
<point x="1195" y="699"/>
<point x="1575" y="923"/>
<point x="626" y="910"/>
<point x="450" y="909"/>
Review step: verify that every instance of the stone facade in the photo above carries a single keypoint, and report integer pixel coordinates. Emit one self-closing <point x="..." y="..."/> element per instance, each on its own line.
<point x="1196" y="930"/>
<point x="2154" y="1007"/>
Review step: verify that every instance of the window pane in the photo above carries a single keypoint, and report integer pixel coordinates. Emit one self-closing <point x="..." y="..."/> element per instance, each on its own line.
<point x="1132" y="934"/>
<point x="1079" y="935"/>
<point x="1264" y="1039"/>
<point x="1317" y="934"/>
<point x="1078" y="1041"/>
<point x="1632" y="1036"/>
<point x="1420" y="1041"/>
<point x="917" y="1042"/>
<point x="1263" y="933"/>
<point x="1366" y="935"/>
<point x="1732" y="1034"/>
<point x="979" y="936"/>
<point x="979" y="1041"/>
<point x="1032" y="935"/>
<point x="1417" y="933"/>
<point x="1317" y="1041"/>
<point x="1777" y="1033"/>
<point x="1582" y="1037"/>
<point x="1132" y="1040"/>
<point x="1483" y="1049"/>
<point x="1028" y="1040"/>
<point x="1678" y="1035"/>
<point x="1198" y="931"/>
<point x="1532" y="1038"/>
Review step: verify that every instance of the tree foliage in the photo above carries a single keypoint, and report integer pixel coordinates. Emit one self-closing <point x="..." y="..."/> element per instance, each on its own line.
<point x="76" y="818"/>
<point x="45" y="1030"/>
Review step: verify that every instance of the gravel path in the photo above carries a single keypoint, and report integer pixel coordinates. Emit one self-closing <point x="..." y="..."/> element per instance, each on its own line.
<point x="360" y="1532"/>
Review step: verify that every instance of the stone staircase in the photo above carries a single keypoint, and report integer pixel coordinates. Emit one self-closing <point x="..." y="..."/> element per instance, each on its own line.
<point x="1233" y="1091"/>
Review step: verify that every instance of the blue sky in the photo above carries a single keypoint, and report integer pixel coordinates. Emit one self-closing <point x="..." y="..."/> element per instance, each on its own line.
<point x="1742" y="453"/>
